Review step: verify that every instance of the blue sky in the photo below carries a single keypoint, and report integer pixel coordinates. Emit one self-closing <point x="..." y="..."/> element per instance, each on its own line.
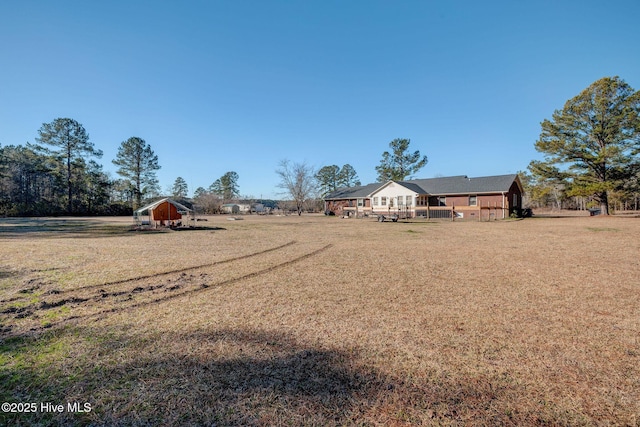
<point x="217" y="86"/>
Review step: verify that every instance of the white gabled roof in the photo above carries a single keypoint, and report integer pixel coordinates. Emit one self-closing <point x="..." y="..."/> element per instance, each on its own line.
<point x="408" y="185"/>
<point x="151" y="206"/>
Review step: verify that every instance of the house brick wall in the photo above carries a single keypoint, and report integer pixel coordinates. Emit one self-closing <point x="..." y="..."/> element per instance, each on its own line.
<point x="488" y="206"/>
<point x="336" y="206"/>
<point x="339" y="206"/>
<point x="482" y="200"/>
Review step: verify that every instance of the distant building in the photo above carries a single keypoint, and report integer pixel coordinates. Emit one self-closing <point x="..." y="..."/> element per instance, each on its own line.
<point x="236" y="208"/>
<point x="489" y="197"/>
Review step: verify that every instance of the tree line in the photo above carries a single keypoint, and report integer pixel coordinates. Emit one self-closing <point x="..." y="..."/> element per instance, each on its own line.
<point x="591" y="150"/>
<point x="59" y="174"/>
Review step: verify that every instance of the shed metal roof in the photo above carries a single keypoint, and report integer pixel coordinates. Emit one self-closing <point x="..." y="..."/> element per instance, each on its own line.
<point x="153" y="205"/>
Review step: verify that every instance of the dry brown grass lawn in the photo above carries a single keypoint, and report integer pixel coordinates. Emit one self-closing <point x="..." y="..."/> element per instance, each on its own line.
<point x="323" y="321"/>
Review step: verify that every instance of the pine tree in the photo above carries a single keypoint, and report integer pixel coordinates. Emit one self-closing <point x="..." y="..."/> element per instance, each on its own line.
<point x="594" y="141"/>
<point x="138" y="165"/>
<point x="73" y="146"/>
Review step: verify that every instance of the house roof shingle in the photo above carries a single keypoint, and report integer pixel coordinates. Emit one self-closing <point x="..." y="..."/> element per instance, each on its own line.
<point x="353" y="192"/>
<point x="464" y="185"/>
<point x="450" y="185"/>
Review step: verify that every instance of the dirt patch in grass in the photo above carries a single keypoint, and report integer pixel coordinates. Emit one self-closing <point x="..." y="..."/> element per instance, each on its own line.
<point x="323" y="321"/>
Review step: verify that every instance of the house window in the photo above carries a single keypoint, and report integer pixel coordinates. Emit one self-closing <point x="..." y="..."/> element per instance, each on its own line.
<point x="515" y="200"/>
<point x="375" y="201"/>
<point x="360" y="203"/>
<point x="399" y="201"/>
<point x="473" y="201"/>
<point x="384" y="201"/>
<point x="442" y="201"/>
<point x="391" y="202"/>
<point x="408" y="200"/>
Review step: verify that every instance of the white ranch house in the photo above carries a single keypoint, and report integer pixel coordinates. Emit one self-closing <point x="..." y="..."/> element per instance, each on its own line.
<point x="490" y="197"/>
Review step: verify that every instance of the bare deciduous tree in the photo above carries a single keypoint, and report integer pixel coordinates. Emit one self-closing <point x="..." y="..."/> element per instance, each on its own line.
<point x="298" y="182"/>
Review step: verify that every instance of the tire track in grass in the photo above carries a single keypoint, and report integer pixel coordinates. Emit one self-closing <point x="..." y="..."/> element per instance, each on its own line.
<point x="78" y="296"/>
<point x="180" y="270"/>
<point x="192" y="290"/>
<point x="219" y="284"/>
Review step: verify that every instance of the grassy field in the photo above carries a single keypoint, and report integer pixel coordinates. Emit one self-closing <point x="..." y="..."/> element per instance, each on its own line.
<point x="322" y="321"/>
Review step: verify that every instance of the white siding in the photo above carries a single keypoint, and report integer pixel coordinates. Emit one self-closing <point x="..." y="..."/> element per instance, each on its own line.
<point x="392" y="191"/>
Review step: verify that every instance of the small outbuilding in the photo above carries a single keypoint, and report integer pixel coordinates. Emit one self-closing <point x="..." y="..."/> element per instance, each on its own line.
<point x="231" y="208"/>
<point x="162" y="213"/>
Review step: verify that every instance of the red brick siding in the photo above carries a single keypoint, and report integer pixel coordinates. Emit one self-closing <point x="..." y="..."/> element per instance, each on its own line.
<point x="338" y="206"/>
<point x="484" y="200"/>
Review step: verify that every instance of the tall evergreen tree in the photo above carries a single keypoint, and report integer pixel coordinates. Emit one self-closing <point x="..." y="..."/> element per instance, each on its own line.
<point x="121" y="191"/>
<point x="199" y="192"/>
<point x="71" y="146"/>
<point x="226" y="186"/>
<point x="399" y="164"/>
<point x="3" y="163"/>
<point x="594" y="141"/>
<point x="96" y="189"/>
<point x="28" y="186"/>
<point x="328" y="179"/>
<point x="348" y="177"/>
<point x="137" y="164"/>
<point x="180" y="188"/>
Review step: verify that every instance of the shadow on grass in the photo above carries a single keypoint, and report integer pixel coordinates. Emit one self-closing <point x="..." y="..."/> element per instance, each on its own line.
<point x="60" y="227"/>
<point x="261" y="378"/>
<point x="77" y="228"/>
<point x="237" y="378"/>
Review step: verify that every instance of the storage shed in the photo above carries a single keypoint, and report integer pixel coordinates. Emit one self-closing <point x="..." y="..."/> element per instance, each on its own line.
<point x="164" y="212"/>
